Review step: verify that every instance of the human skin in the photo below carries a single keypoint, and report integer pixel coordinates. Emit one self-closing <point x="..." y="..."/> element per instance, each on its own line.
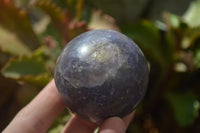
<point x="39" y="114"/>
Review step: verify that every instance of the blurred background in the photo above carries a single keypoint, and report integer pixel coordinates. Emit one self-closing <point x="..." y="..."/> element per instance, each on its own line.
<point x="33" y="33"/>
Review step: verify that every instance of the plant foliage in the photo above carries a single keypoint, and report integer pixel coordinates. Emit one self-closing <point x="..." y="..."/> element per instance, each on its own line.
<point x="172" y="47"/>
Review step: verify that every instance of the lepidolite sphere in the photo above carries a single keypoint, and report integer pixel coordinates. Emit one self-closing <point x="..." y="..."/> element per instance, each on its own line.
<point x="100" y="74"/>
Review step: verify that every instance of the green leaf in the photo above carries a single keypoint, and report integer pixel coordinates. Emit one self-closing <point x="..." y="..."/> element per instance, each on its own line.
<point x="52" y="32"/>
<point x="29" y="69"/>
<point x="76" y="7"/>
<point x="59" y="18"/>
<point x="55" y="12"/>
<point x="62" y="20"/>
<point x="191" y="16"/>
<point x="16" y="20"/>
<point x="60" y="122"/>
<point x="9" y="42"/>
<point x="40" y="80"/>
<point x="24" y="66"/>
<point x="124" y="11"/>
<point x="57" y="129"/>
<point x="185" y="107"/>
<point x="190" y="37"/>
<point x="147" y="36"/>
<point x="61" y="3"/>
<point x="197" y="58"/>
<point x="174" y="21"/>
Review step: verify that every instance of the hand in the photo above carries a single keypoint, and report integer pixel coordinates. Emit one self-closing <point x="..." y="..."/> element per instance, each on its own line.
<point x="40" y="113"/>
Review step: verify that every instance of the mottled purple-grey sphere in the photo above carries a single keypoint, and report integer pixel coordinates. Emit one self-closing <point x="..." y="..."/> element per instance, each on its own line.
<point x="100" y="74"/>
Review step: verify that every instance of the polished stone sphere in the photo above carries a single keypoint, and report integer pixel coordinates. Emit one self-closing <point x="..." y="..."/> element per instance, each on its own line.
<point x="100" y="74"/>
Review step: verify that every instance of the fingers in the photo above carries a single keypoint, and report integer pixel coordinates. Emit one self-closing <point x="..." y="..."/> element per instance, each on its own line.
<point x="111" y="125"/>
<point x="116" y="124"/>
<point x="38" y="115"/>
<point x="127" y="119"/>
<point x="78" y="125"/>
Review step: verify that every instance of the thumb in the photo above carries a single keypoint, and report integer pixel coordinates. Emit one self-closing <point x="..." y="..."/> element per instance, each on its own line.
<point x="116" y="124"/>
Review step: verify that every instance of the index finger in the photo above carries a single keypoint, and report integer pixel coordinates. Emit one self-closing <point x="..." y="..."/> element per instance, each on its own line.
<point x="116" y="124"/>
<point x="39" y="114"/>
